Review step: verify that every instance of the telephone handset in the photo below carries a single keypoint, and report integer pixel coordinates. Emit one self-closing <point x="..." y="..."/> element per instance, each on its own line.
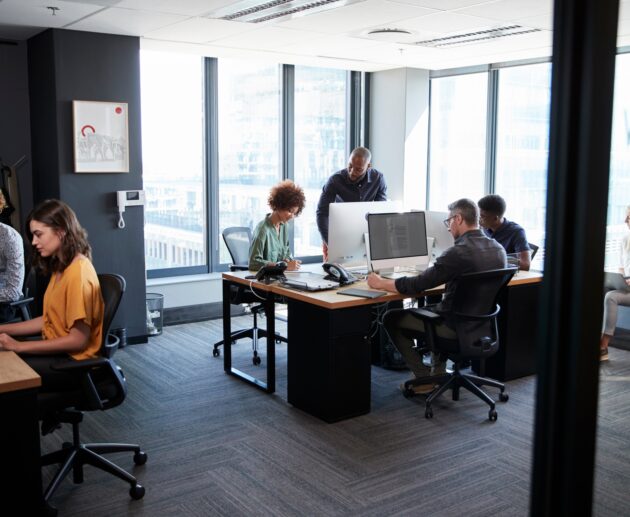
<point x="271" y="272"/>
<point x="338" y="274"/>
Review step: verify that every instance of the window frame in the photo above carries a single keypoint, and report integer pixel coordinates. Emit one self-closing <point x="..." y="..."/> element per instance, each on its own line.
<point x="357" y="107"/>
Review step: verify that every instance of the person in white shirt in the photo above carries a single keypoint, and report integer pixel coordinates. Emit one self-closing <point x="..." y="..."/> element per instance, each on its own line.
<point x="614" y="299"/>
<point x="11" y="270"/>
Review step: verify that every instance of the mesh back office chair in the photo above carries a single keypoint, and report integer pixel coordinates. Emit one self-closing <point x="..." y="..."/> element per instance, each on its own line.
<point x="534" y="249"/>
<point x="474" y="317"/>
<point x="102" y="386"/>
<point x="238" y="240"/>
<point x="22" y="305"/>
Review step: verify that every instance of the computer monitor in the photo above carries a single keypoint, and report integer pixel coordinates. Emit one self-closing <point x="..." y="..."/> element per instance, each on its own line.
<point x="347" y="224"/>
<point x="442" y="238"/>
<point x="398" y="241"/>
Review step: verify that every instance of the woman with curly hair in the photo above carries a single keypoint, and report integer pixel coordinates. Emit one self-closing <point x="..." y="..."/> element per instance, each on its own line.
<point x="72" y="322"/>
<point x="271" y="237"/>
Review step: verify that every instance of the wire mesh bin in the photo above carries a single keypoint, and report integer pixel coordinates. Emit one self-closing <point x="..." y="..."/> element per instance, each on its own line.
<point x="155" y="313"/>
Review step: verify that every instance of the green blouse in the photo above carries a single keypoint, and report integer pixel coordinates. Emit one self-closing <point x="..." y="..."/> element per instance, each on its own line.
<point x="268" y="245"/>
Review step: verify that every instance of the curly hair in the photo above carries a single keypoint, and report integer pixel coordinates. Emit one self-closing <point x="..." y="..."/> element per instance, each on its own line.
<point x="61" y="218"/>
<point x="286" y="195"/>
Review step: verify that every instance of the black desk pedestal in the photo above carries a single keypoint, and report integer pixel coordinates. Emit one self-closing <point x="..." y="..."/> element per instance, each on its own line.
<point x="518" y="331"/>
<point x="21" y="480"/>
<point x="328" y="360"/>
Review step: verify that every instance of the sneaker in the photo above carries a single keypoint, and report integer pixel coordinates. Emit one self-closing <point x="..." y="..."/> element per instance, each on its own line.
<point x="603" y="354"/>
<point x="420" y="389"/>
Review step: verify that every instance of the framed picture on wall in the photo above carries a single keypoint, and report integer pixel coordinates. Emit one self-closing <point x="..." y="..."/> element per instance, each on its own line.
<point x="101" y="136"/>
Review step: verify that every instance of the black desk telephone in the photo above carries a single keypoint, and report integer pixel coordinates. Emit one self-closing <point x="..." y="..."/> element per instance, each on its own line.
<point x="338" y="274"/>
<point x="270" y="272"/>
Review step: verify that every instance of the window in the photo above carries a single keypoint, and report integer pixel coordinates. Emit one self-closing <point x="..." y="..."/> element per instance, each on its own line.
<point x="457" y="153"/>
<point x="522" y="147"/>
<point x="619" y="185"/>
<point x="320" y="144"/>
<point x="173" y="162"/>
<point x="249" y="114"/>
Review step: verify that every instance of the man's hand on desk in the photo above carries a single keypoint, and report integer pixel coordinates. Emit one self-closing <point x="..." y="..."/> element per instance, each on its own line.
<point x="293" y="265"/>
<point x="384" y="284"/>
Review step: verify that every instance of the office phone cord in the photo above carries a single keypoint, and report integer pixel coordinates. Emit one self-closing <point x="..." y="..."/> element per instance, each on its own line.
<point x="251" y="288"/>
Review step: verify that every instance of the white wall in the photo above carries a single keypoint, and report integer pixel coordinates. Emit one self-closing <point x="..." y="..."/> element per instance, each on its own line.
<point x="399" y="108"/>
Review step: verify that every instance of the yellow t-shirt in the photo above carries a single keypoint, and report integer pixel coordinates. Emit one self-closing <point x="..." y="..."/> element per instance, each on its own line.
<point x="75" y="296"/>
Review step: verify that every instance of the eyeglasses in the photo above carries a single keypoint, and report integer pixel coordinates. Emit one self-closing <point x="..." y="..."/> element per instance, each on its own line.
<point x="447" y="222"/>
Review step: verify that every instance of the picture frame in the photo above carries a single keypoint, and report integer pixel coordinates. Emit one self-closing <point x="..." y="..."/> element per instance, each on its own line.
<point x="101" y="136"/>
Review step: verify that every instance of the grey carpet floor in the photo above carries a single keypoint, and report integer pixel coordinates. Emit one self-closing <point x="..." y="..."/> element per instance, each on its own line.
<point x="219" y="447"/>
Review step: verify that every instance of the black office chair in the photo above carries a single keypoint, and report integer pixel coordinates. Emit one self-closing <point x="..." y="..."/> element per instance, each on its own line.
<point x="534" y="249"/>
<point x="22" y="305"/>
<point x="103" y="386"/>
<point x="474" y="316"/>
<point x="237" y="240"/>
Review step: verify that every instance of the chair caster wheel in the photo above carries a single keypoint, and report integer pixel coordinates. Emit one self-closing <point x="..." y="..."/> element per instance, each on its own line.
<point x="408" y="393"/>
<point x="140" y="458"/>
<point x="256" y="360"/>
<point x="492" y="415"/>
<point x="504" y="397"/>
<point x="136" y="491"/>
<point x="428" y="413"/>
<point x="215" y="353"/>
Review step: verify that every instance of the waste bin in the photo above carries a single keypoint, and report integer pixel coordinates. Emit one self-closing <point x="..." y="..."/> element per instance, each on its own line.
<point x="155" y="313"/>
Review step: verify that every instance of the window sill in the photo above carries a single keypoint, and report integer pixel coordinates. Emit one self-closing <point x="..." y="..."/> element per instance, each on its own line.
<point x="184" y="279"/>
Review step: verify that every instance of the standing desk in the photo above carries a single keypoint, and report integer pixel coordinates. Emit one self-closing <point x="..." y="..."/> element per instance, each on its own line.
<point x="329" y="367"/>
<point x="21" y="480"/>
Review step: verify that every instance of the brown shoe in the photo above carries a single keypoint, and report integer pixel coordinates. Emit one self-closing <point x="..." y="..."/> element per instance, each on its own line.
<point x="420" y="389"/>
<point x="603" y="354"/>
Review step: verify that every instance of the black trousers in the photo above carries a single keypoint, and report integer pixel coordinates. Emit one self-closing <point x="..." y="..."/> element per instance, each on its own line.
<point x="7" y="313"/>
<point x="52" y="380"/>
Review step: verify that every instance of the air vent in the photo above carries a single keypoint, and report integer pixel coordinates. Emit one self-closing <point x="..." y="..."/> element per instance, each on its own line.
<point x="390" y="34"/>
<point x="255" y="11"/>
<point x="475" y="37"/>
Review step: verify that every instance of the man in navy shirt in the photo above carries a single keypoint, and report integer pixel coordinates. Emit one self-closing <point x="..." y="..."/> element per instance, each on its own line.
<point x="358" y="182"/>
<point x="507" y="233"/>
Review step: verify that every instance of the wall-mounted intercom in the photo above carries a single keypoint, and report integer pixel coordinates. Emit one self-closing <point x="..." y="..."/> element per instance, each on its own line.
<point x="125" y="198"/>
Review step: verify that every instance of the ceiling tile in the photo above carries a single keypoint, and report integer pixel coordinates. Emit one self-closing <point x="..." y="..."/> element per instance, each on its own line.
<point x="186" y="7"/>
<point x="125" y="21"/>
<point x="442" y="5"/>
<point x="34" y="13"/>
<point x="507" y="10"/>
<point x="199" y="30"/>
<point x="266" y="37"/>
<point x="447" y="23"/>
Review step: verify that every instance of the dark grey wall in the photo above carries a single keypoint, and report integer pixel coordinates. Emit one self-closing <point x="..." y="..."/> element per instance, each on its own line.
<point x="69" y="65"/>
<point x="15" y="138"/>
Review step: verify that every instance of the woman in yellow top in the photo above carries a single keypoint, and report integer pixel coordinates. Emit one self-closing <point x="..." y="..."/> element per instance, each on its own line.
<point x="72" y="320"/>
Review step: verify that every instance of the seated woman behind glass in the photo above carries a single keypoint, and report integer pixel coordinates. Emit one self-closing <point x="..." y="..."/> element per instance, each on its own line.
<point x="271" y="237"/>
<point x="72" y="322"/>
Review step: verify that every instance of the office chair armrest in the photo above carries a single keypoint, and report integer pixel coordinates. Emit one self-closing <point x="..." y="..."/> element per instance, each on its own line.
<point x="21" y="301"/>
<point x="478" y="316"/>
<point x="236" y="267"/>
<point x="110" y="346"/>
<point x="77" y="366"/>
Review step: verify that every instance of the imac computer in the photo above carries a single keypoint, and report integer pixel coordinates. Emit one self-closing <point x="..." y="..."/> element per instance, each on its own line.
<point x="442" y="238"/>
<point x="398" y="242"/>
<point x="347" y="224"/>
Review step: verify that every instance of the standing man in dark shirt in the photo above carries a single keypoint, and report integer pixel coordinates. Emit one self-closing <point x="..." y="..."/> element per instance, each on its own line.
<point x="358" y="182"/>
<point x="472" y="251"/>
<point x="507" y="233"/>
